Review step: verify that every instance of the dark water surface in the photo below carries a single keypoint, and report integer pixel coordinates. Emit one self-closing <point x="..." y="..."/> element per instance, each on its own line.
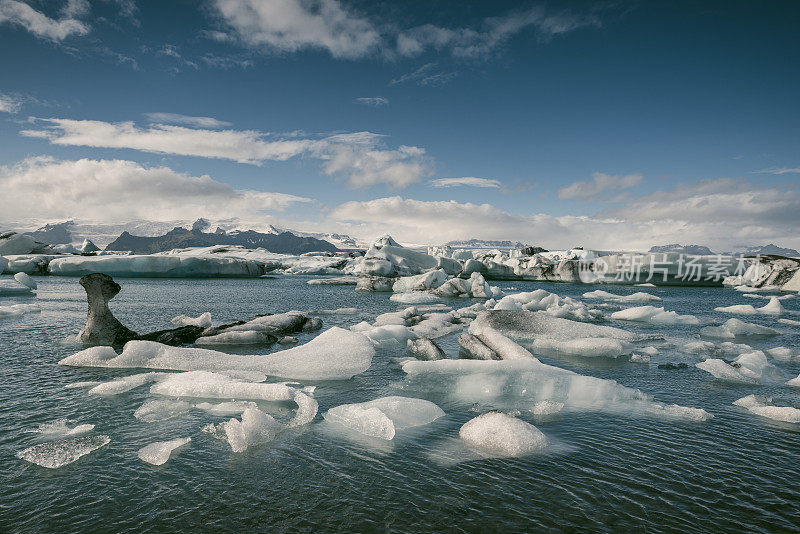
<point x="737" y="472"/>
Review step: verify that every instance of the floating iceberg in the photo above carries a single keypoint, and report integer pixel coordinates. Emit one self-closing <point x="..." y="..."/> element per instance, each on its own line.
<point x="61" y="429"/>
<point x="25" y="280"/>
<point x="761" y="406"/>
<point x="747" y="368"/>
<point x="773" y="307"/>
<point x="415" y="298"/>
<point x="337" y="281"/>
<point x="383" y="417"/>
<point x="203" y="320"/>
<point x="546" y="407"/>
<point x="336" y="354"/>
<point x="155" y="265"/>
<point x="781" y="354"/>
<point x="734" y="328"/>
<point x="499" y="434"/>
<point x="55" y="454"/>
<point x="254" y="428"/>
<point x="159" y="452"/>
<point x="589" y="347"/>
<point x="12" y="288"/>
<point x="420" y="282"/>
<point x="225" y="408"/>
<point x="552" y="304"/>
<point x="425" y="349"/>
<point x="653" y="315"/>
<point x="207" y="385"/>
<point x="635" y="297"/>
<point x="159" y="410"/>
<point x="245" y="337"/>
<point x="18" y="309"/>
<point x="126" y="383"/>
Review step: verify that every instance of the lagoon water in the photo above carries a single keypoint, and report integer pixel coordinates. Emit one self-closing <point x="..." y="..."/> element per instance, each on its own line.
<point x="604" y="472"/>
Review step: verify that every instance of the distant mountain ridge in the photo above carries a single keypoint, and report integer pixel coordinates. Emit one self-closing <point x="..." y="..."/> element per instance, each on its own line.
<point x="694" y="250"/>
<point x="773" y="250"/>
<point x="282" y="243"/>
<point x="482" y="243"/>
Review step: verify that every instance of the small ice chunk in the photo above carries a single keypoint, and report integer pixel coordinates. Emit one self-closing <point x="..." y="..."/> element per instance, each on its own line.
<point x="126" y="383"/>
<point x="674" y="411"/>
<point x="640" y="358"/>
<point x="208" y="385"/>
<point x="159" y="410"/>
<point x="734" y="328"/>
<point x="499" y="434"/>
<point x="381" y="418"/>
<point x="791" y="322"/>
<point x="307" y="409"/>
<point x="25" y="280"/>
<point x="60" y="429"/>
<point x="225" y="408"/>
<point x="650" y="351"/>
<point x="415" y="298"/>
<point x="781" y="354"/>
<point x="55" y="454"/>
<point x="589" y="347"/>
<point x="635" y="297"/>
<point x="762" y="406"/>
<point x="547" y="407"/>
<point x="337" y="311"/>
<point x="159" y="452"/>
<point x="425" y="349"/>
<point x="18" y="309"/>
<point x="246" y="337"/>
<point x="254" y="428"/>
<point x="203" y="320"/>
<point x="773" y="307"/>
<point x="653" y="315"/>
<point x="747" y="368"/>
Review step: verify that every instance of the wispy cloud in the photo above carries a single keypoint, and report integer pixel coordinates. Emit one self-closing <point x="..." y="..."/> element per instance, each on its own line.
<point x="374" y="101"/>
<point x="600" y="183"/>
<point x="118" y="190"/>
<point x="176" y="118"/>
<point x="9" y="104"/>
<point x="427" y="76"/>
<point x="361" y="157"/>
<point x="779" y="170"/>
<point x="21" y="14"/>
<point x="467" y="181"/>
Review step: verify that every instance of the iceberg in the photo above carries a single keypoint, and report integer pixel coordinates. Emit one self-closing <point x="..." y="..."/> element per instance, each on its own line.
<point x="155" y="265"/>
<point x="203" y="320"/>
<point x="383" y="417"/>
<point x="734" y="328"/>
<point x="773" y="307"/>
<point x="18" y="309"/>
<point x="208" y="385"/>
<point x="425" y="349"/>
<point x="126" y="383"/>
<point x="471" y="347"/>
<point x="781" y="354"/>
<point x="245" y="337"/>
<point x="552" y="304"/>
<point x="635" y="297"/>
<point x="254" y="428"/>
<point x="25" y="280"/>
<point x="498" y="434"/>
<point x="159" y="410"/>
<point x="336" y="354"/>
<point x="653" y="315"/>
<point x="589" y="347"/>
<point x="420" y="282"/>
<point x="762" y="406"/>
<point x="415" y="298"/>
<point x="55" y="454"/>
<point x="12" y="288"/>
<point x="747" y="368"/>
<point x="60" y="429"/>
<point x="159" y="452"/>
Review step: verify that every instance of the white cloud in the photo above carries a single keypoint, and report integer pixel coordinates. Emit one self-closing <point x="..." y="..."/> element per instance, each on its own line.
<point x="294" y="25"/>
<point x="496" y="31"/>
<point x="425" y="76"/>
<point x="118" y="190"/>
<point x="361" y="157"/>
<point x="39" y="24"/>
<point x="175" y="118"/>
<point x="374" y="101"/>
<point x="721" y="214"/>
<point x="779" y="170"/>
<point x="466" y="180"/>
<point x="9" y="104"/>
<point x="600" y="183"/>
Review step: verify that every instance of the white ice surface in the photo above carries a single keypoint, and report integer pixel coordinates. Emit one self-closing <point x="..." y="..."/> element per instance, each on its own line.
<point x="383" y="417"/>
<point x="55" y="454"/>
<point x="499" y="434"/>
<point x="159" y="452"/>
<point x="653" y="315"/>
<point x="203" y="320"/>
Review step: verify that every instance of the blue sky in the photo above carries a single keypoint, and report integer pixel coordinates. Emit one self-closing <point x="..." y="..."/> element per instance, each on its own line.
<point x="618" y="124"/>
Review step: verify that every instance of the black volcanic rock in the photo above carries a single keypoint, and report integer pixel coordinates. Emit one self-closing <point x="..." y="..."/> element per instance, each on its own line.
<point x="283" y="243"/>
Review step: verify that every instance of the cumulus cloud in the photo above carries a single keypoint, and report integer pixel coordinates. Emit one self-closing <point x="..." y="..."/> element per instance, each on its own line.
<point x="466" y="180"/>
<point x="360" y="157"/>
<point x="22" y="15"/>
<point x="295" y="25"/>
<point x="175" y="118"/>
<point x="600" y="183"/>
<point x="118" y="190"/>
<point x="374" y="101"/>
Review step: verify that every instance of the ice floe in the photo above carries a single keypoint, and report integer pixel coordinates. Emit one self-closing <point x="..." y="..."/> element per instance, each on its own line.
<point x="336" y="354"/>
<point x="498" y="434"/>
<point x="208" y="385"/>
<point x="60" y="429"/>
<point x="635" y="297"/>
<point x="126" y="383"/>
<point x="25" y="280"/>
<point x="653" y="315"/>
<point x="747" y="368"/>
<point x="203" y="320"/>
<point x="763" y="407"/>
<point x="161" y="409"/>
<point x="415" y="298"/>
<point x="552" y="304"/>
<point x="244" y="337"/>
<point x="55" y="454"/>
<point x="12" y="288"/>
<point x="773" y="307"/>
<point x="254" y="428"/>
<point x="159" y="452"/>
<point x="589" y="347"/>
<point x="733" y="328"/>
<point x="18" y="309"/>
<point x="383" y="417"/>
<point x="425" y="349"/>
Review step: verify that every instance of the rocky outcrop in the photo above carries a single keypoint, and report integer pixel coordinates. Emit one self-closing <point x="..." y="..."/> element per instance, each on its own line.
<point x="102" y="328"/>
